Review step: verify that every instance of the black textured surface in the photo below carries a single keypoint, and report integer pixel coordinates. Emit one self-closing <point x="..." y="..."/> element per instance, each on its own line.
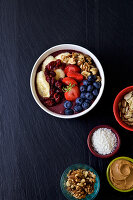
<point x="35" y="147"/>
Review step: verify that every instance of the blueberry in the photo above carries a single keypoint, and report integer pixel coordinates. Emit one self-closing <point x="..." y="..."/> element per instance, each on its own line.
<point x="79" y="101"/>
<point x="78" y="108"/>
<point x="89" y="95"/>
<point x="97" y="85"/>
<point x="87" y="101"/>
<point x="82" y="95"/>
<point x="69" y="111"/>
<point x="95" y="92"/>
<point x="85" y="82"/>
<point x="68" y="104"/>
<point x="85" y="105"/>
<point x="83" y="88"/>
<point x="90" y="88"/>
<point x="92" y="78"/>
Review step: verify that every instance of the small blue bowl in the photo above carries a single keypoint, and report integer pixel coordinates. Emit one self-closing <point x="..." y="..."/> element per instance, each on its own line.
<point x="64" y="179"/>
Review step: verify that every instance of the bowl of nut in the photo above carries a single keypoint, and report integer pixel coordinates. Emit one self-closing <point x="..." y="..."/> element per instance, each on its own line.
<point x="123" y="108"/>
<point x="67" y="81"/>
<point x="80" y="181"/>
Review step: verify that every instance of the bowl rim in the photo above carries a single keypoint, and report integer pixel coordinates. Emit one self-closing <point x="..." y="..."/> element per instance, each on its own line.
<point x="115" y="112"/>
<point x="88" y="166"/>
<point x="107" y="172"/>
<point x="67" y="47"/>
<point x="91" y="148"/>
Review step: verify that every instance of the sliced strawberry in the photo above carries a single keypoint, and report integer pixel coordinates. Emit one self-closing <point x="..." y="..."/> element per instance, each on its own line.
<point x="68" y="80"/>
<point x="71" y="68"/>
<point x="72" y="92"/>
<point x="77" y="76"/>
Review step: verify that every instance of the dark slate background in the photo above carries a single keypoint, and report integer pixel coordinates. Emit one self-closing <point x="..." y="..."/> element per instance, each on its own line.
<point x="35" y="148"/>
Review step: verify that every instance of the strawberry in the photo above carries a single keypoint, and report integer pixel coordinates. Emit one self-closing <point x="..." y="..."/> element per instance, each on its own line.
<point x="77" y="76"/>
<point x="71" y="68"/>
<point x="81" y="83"/>
<point x="68" y="80"/>
<point x="71" y="92"/>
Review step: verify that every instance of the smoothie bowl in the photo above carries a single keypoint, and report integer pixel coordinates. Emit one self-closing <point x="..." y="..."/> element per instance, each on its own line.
<point x="67" y="81"/>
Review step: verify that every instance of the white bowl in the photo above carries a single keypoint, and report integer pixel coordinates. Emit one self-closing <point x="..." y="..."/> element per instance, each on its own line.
<point x="67" y="47"/>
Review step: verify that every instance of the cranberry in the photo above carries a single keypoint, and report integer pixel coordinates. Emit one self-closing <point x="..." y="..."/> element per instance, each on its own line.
<point x="48" y="79"/>
<point x="52" y="81"/>
<point x="52" y="91"/>
<point x="58" y="84"/>
<point x="48" y="67"/>
<point x="52" y="73"/>
<point x="56" y="67"/>
<point x="62" y="95"/>
<point x="51" y="65"/>
<point x="46" y="72"/>
<point x="57" y="97"/>
<point x="49" y="102"/>
<point x="63" y="65"/>
<point x="59" y="90"/>
<point x="58" y="63"/>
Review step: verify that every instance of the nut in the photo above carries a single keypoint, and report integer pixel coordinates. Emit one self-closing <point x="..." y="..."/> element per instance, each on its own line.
<point x="85" y="173"/>
<point x="67" y="184"/>
<point x="75" y="55"/>
<point x="72" y="186"/>
<point x="79" y="62"/>
<point x="85" y="67"/>
<point x="128" y="96"/>
<point x="124" y="103"/>
<point x="83" y="180"/>
<point x="126" y="108"/>
<point x="64" y="58"/>
<point x="123" y="110"/>
<point x="98" y="79"/>
<point x="119" y="105"/>
<point x="88" y="58"/>
<point x="130" y="119"/>
<point x="94" y="70"/>
<point x="71" y="61"/>
<point x="81" y="57"/>
<point x="85" y="185"/>
<point x="85" y="74"/>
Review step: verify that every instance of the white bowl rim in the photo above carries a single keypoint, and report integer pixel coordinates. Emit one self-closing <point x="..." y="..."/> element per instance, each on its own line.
<point x="67" y="47"/>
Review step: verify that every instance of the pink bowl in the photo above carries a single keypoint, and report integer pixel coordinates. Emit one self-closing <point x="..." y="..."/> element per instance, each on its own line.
<point x="92" y="148"/>
<point x="116" y="110"/>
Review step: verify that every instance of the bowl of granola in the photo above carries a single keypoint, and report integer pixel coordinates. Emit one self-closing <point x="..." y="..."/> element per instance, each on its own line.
<point x="80" y="181"/>
<point x="67" y="81"/>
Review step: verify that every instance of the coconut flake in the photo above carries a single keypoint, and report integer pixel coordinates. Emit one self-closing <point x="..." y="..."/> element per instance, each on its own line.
<point x="104" y="141"/>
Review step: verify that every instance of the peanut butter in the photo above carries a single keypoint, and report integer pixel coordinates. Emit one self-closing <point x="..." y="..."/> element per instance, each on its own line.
<point x="121" y="174"/>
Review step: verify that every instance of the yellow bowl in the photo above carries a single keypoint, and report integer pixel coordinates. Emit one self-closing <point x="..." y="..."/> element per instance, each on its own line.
<point x="107" y="173"/>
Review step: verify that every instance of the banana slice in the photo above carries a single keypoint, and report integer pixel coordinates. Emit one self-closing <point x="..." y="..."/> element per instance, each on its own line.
<point x="59" y="74"/>
<point x="62" y="55"/>
<point x="47" y="61"/>
<point x="43" y="86"/>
